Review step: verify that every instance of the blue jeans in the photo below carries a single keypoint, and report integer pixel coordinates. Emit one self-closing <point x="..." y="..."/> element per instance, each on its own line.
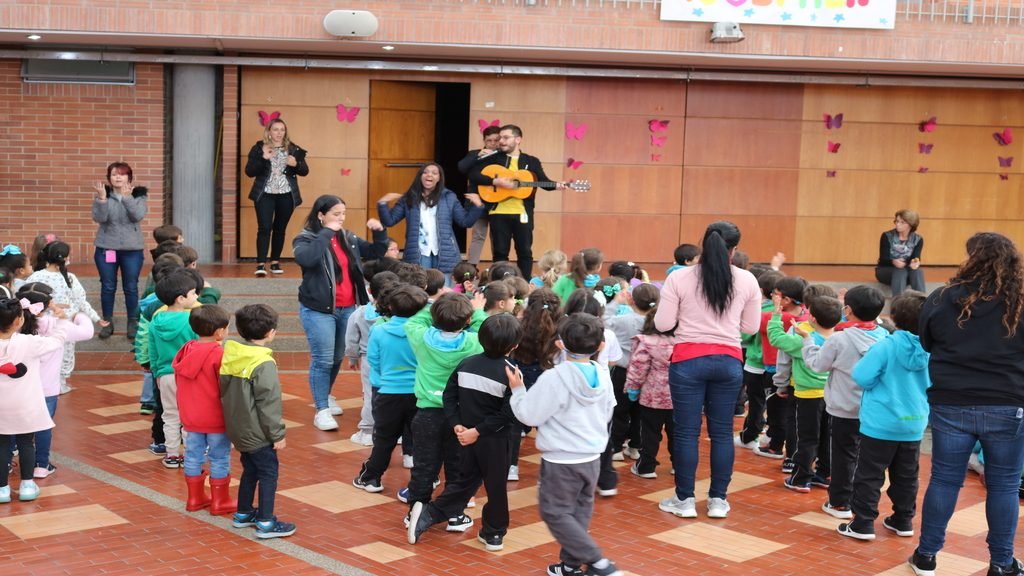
<point x="326" y="336"/>
<point x="955" y="429"/>
<point x="147" y="396"/>
<point x="259" y="470"/>
<point x="428" y="261"/>
<point x="709" y="384"/>
<point x="196" y="445"/>
<point x="45" y="437"/>
<point x="130" y="264"/>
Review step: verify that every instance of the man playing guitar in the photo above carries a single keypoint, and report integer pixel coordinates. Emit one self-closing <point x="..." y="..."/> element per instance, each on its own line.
<point x="512" y="218"/>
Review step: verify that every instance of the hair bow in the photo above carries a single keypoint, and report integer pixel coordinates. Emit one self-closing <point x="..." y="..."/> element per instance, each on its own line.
<point x="35" y="309"/>
<point x="611" y="290"/>
<point x="11" y="250"/>
<point x="467" y="275"/>
<point x="13" y="370"/>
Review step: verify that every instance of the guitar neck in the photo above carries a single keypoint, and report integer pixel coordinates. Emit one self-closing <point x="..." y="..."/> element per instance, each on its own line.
<point x="521" y="184"/>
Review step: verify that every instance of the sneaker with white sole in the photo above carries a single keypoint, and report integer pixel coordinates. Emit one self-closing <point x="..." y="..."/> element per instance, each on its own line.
<point x="840" y="512"/>
<point x="847" y="530"/>
<point x="471" y="503"/>
<point x="922" y="565"/>
<point x="904" y="530"/>
<point x="460" y="523"/>
<point x="618" y="457"/>
<point x="43" y="471"/>
<point x="631" y="453"/>
<point x="332" y="405"/>
<point x="403" y="495"/>
<point x="362" y="438"/>
<point x="718" y="508"/>
<point x="603" y="567"/>
<point x="371" y="485"/>
<point x="563" y="569"/>
<point x="681" y="508"/>
<point x="513" y="473"/>
<point x="274" y="528"/>
<point x="635" y="471"/>
<point x="492" y="543"/>
<point x="607" y="493"/>
<point x="769" y="452"/>
<point x="739" y="443"/>
<point x="324" y="421"/>
<point x="5" y="494"/>
<point x="28" y="490"/>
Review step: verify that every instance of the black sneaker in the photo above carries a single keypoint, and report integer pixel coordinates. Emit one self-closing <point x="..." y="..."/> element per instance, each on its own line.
<point x="901" y="529"/>
<point x="563" y="569"/>
<point x="1012" y="569"/>
<point x="276" y="269"/>
<point x="922" y="565"/>
<point x="769" y="452"/>
<point x="788" y="466"/>
<point x="820" y="481"/>
<point x="261" y="270"/>
<point x="609" y="570"/>
<point x="158" y="449"/>
<point x="419" y="522"/>
<point x="173" y="462"/>
<point x="371" y="485"/>
<point x="492" y="543"/>
<point x="273" y="528"/>
<point x="459" y="523"/>
<point x="147" y="408"/>
<point x="244" y="519"/>
<point x="847" y="530"/>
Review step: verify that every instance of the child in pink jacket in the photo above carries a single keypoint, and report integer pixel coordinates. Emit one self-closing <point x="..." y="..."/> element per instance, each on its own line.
<point x="647" y="379"/>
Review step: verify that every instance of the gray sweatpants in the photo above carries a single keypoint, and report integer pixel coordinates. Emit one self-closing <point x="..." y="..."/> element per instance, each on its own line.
<point x="366" y="413"/>
<point x="566" y="505"/>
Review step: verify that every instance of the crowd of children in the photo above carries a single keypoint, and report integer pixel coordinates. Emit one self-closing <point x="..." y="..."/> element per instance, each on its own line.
<point x="457" y="370"/>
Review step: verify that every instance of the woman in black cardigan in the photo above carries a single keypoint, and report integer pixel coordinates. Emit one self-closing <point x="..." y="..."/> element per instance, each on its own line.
<point x="899" y="254"/>
<point x="275" y="163"/>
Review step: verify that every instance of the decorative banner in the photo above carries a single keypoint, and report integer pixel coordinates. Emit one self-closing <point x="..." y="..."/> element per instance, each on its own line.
<point x="822" y="13"/>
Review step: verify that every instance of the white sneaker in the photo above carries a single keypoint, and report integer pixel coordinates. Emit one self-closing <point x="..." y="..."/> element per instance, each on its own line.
<point x="332" y="405"/>
<point x="471" y="503"/>
<point x="324" y="421"/>
<point x="362" y="438"/>
<point x="5" y="494"/>
<point x="718" y="508"/>
<point x="681" y="508"/>
<point x="631" y="453"/>
<point x="739" y="443"/>
<point x="607" y="493"/>
<point x="635" y="471"/>
<point x="618" y="457"/>
<point x="406" y="460"/>
<point x="513" y="473"/>
<point x="28" y="490"/>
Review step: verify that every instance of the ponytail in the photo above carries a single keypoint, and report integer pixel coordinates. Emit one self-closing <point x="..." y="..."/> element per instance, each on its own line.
<point x="715" y="264"/>
<point x="584" y="262"/>
<point x="55" y="253"/>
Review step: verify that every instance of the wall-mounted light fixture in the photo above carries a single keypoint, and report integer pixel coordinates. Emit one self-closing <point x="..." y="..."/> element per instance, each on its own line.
<point x="726" y="32"/>
<point x="350" y="23"/>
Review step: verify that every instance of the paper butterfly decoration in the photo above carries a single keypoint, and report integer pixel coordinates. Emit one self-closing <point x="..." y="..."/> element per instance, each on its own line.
<point x="574" y="163"/>
<point x="1004" y="138"/>
<point x="266" y="118"/>
<point x="575" y="132"/>
<point x="346" y="114"/>
<point x="655" y="157"/>
<point x="928" y="125"/>
<point x="658" y="141"/>
<point x="484" y="124"/>
<point x="923" y="148"/>
<point x="922" y="169"/>
<point x="830" y="173"/>
<point x="657" y="125"/>
<point x="833" y="121"/>
<point x="1004" y="176"/>
<point x="1005" y="162"/>
<point x="833" y="147"/>
<point x="346" y="171"/>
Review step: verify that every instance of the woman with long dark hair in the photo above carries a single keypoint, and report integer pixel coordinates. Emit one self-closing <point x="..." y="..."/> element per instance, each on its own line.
<point x="430" y="210"/>
<point x="708" y="305"/>
<point x="972" y="328"/>
<point x="332" y="287"/>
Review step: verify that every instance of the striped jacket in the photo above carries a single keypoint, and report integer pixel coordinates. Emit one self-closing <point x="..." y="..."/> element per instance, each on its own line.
<point x="477" y="395"/>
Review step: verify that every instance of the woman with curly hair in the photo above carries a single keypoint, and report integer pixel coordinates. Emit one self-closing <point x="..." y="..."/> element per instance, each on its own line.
<point x="972" y="328"/>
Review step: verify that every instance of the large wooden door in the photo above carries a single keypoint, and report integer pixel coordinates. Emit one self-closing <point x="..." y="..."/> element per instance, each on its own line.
<point x="402" y="117"/>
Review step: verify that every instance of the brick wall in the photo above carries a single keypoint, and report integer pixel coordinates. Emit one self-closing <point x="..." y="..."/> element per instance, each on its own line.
<point x="58" y="140"/>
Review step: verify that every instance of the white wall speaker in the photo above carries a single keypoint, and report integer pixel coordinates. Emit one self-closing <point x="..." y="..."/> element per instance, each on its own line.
<point x="350" y="23"/>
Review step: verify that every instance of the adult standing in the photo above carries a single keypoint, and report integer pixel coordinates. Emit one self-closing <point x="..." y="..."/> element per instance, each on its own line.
<point x="491" y="136"/>
<point x="430" y="210"/>
<point x="332" y="287"/>
<point x="972" y="328"/>
<point x="119" y="207"/>
<point x="275" y="163"/>
<point x="899" y="254"/>
<point x="512" y="218"/>
<point x="708" y="305"/>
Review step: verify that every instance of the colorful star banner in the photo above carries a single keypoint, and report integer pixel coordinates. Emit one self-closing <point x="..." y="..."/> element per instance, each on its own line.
<point x="822" y="13"/>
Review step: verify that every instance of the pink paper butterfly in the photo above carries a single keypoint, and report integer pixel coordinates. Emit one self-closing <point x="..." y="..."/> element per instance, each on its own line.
<point x="830" y="173"/>
<point x="346" y="114"/>
<point x="922" y="169"/>
<point x="268" y="118"/>
<point x="1004" y="138"/>
<point x="346" y="171"/>
<point x="484" y="124"/>
<point x="1004" y="176"/>
<point x="658" y="141"/>
<point x="1005" y="162"/>
<point x="655" y="157"/>
<point x="833" y="147"/>
<point x="575" y="132"/>
<point x="833" y="121"/>
<point x="928" y="125"/>
<point x="657" y="125"/>
<point x="923" y="148"/>
<point x="574" y="164"/>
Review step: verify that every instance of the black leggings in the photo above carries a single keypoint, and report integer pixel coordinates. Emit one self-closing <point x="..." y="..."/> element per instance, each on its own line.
<point x="26" y="456"/>
<point x="273" y="211"/>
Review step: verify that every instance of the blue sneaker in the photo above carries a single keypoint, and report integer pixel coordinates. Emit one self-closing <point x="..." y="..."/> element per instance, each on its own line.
<point x="157" y="448"/>
<point x="403" y="495"/>
<point x="273" y="528"/>
<point x="244" y="519"/>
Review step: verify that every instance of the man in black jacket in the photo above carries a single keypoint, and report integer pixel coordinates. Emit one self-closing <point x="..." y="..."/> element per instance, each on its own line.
<point x="512" y="219"/>
<point x="491" y="136"/>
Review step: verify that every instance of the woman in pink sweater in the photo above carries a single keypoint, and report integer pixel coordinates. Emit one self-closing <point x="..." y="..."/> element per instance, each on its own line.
<point x="708" y="305"/>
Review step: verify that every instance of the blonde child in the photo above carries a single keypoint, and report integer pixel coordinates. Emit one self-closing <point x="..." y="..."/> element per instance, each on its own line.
<point x="584" y="269"/>
<point x="553" y="265"/>
<point x="51" y="269"/>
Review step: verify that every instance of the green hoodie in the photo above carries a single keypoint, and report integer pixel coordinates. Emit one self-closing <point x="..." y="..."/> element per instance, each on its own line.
<point x="438" y="353"/>
<point x="168" y="332"/>
<point x="752" y="342"/>
<point x="806" y="382"/>
<point x="250" y="394"/>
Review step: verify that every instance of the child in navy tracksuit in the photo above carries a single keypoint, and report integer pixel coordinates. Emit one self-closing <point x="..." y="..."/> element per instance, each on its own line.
<point x="893" y="416"/>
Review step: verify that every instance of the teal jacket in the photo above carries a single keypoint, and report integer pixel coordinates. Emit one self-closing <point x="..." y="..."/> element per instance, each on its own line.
<point x="392" y="363"/>
<point x="168" y="332"/>
<point x="894" y="376"/>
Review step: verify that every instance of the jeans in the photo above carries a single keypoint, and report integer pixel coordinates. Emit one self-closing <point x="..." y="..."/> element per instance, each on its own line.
<point x="273" y="211"/>
<point x="147" y="396"/>
<point x="428" y="261"/>
<point x="45" y="437"/>
<point x="326" y="336"/>
<point x="954" y="432"/>
<point x="708" y="383"/>
<point x="219" y="446"/>
<point x="130" y="264"/>
<point x="259" y="470"/>
<point x="898" y="278"/>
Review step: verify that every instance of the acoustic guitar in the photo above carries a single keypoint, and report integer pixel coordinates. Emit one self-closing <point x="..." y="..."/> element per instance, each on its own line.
<point x="493" y="194"/>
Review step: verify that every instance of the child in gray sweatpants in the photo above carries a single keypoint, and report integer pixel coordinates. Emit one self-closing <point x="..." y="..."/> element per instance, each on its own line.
<point x="571" y="406"/>
<point x="357" y="338"/>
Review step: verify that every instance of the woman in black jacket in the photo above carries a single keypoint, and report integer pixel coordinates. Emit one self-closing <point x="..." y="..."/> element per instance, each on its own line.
<point x="899" y="254"/>
<point x="275" y="163"/>
<point x="332" y="287"/>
